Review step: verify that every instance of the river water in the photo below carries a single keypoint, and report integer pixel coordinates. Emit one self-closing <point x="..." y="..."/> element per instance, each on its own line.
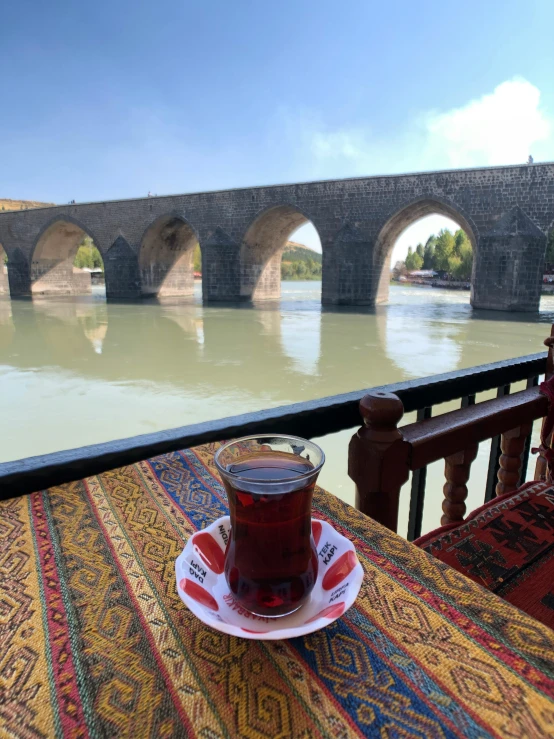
<point x="77" y="371"/>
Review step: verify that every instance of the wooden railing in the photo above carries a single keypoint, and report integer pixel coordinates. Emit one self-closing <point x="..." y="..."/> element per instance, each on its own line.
<point x="311" y="419"/>
<point x="382" y="455"/>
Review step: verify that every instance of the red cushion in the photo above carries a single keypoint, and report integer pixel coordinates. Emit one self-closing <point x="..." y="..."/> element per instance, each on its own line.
<point x="507" y="545"/>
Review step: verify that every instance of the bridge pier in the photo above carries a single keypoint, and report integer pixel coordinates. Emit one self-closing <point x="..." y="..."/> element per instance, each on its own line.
<point x="220" y="268"/>
<point x="508" y="265"/>
<point x="121" y="270"/>
<point x="19" y="275"/>
<point x="349" y="276"/>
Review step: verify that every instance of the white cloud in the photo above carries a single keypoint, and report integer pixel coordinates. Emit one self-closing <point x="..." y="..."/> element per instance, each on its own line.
<point x="501" y="127"/>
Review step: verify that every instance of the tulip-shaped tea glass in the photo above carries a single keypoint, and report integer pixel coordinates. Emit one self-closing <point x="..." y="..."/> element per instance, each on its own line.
<point x="271" y="559"/>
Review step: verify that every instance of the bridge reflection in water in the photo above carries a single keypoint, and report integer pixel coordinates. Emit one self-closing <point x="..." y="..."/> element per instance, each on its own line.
<point x="78" y="370"/>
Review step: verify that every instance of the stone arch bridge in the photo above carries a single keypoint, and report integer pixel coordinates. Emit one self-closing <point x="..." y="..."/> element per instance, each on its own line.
<point x="147" y="243"/>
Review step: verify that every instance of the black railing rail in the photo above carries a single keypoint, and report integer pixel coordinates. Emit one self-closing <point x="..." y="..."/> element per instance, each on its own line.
<point x="313" y="418"/>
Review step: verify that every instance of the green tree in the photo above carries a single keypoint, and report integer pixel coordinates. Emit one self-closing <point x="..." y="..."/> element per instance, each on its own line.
<point x="97" y="262"/>
<point x="420" y="250"/>
<point x="462" y="265"/>
<point x="286" y="271"/>
<point x="460" y="240"/>
<point x="197" y="259"/>
<point x="88" y="255"/>
<point x="429" y="255"/>
<point x="413" y="260"/>
<point x="300" y="263"/>
<point x="444" y="249"/>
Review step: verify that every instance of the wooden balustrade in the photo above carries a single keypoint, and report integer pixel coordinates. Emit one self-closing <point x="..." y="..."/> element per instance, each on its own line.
<point x="541" y="467"/>
<point x="378" y="458"/>
<point x="381" y="456"/>
<point x="512" y="445"/>
<point x="456" y="472"/>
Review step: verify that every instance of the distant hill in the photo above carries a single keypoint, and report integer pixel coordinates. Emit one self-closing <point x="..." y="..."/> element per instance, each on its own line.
<point x="7" y="204"/>
<point x="295" y="252"/>
<point x="299" y="262"/>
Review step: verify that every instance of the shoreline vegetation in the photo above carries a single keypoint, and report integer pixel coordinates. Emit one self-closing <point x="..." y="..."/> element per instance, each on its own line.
<point x="300" y="263"/>
<point x="446" y="259"/>
<point x="448" y="256"/>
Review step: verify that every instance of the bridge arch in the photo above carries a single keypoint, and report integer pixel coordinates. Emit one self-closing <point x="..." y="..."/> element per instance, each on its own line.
<point x="54" y="250"/>
<point x="262" y="247"/>
<point x="405" y="216"/>
<point x="166" y="257"/>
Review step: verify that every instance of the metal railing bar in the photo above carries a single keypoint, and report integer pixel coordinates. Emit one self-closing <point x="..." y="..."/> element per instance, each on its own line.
<point x="531" y="382"/>
<point x="494" y="457"/>
<point x="313" y="418"/>
<point x="417" y="495"/>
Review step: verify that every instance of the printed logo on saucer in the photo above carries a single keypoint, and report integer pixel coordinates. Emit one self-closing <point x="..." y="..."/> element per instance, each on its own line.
<point x="197" y="571"/>
<point x="327" y="552"/>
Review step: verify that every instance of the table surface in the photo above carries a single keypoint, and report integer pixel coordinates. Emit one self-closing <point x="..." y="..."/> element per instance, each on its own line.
<point x="95" y="641"/>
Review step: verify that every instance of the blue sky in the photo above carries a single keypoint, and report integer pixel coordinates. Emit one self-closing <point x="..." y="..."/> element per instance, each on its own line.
<point x="114" y="99"/>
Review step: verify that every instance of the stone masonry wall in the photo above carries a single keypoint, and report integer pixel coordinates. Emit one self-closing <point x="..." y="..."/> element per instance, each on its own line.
<point x="59" y="278"/>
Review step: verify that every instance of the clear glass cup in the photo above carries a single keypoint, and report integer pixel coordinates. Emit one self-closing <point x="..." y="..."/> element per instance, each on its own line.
<point x="271" y="559"/>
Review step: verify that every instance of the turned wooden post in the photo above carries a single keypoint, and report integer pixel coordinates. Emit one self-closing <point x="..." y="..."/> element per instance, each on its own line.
<point x="541" y="467"/>
<point x="378" y="458"/>
<point x="512" y="444"/>
<point x="456" y="471"/>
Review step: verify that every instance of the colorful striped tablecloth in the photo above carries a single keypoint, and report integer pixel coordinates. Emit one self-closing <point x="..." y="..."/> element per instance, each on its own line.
<point x="94" y="640"/>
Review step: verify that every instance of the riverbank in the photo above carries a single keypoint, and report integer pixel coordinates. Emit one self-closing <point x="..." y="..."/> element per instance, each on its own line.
<point x="546" y="288"/>
<point x="304" y="278"/>
<point x="442" y="284"/>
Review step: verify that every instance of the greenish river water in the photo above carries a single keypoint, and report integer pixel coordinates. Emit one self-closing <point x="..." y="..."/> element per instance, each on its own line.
<point x="77" y="371"/>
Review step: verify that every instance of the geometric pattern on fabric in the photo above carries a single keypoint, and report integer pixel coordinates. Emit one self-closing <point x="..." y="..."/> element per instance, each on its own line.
<point x="507" y="545"/>
<point x="96" y="642"/>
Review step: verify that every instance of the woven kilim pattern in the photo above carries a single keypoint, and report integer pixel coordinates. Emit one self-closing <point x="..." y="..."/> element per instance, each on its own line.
<point x="94" y="640"/>
<point x="507" y="546"/>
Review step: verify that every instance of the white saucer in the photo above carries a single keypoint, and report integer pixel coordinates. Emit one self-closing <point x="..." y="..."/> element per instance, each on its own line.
<point x="201" y="585"/>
